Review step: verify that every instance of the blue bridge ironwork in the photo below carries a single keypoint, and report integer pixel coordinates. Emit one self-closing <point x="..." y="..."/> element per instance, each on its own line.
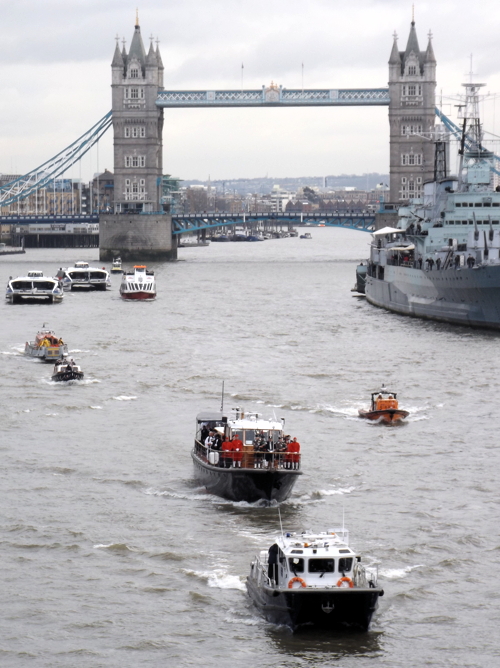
<point x="205" y="221"/>
<point x="195" y="222"/>
<point x="274" y="96"/>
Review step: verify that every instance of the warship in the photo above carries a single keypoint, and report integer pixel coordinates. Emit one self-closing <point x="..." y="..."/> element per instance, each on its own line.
<point x="442" y="261"/>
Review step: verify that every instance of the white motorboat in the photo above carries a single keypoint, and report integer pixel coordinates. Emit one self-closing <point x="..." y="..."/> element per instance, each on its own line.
<point x="46" y="346"/>
<point x="314" y="579"/>
<point x="84" y="277"/>
<point x="65" y="370"/>
<point x="138" y="284"/>
<point x="116" y="267"/>
<point x="33" y="288"/>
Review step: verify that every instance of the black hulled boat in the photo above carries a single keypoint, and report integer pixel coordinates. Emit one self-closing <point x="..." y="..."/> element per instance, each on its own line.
<point x="313" y="580"/>
<point x="246" y="458"/>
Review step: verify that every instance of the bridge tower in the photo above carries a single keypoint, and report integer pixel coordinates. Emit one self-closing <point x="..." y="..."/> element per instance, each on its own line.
<point x="412" y="93"/>
<point x="138" y="229"/>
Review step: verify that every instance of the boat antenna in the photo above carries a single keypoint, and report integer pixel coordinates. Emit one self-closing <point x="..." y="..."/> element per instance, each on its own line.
<point x="222" y="399"/>
<point x="281" y="524"/>
<point x="343" y="520"/>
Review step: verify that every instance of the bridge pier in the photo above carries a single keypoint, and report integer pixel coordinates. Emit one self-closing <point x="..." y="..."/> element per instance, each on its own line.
<point x="137" y="237"/>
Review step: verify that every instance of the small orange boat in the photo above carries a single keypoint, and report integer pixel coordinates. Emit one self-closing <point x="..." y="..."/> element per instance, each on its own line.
<point x="384" y="408"/>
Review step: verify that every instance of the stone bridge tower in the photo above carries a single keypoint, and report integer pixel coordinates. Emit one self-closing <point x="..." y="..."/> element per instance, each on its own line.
<point x="412" y="91"/>
<point x="138" y="229"/>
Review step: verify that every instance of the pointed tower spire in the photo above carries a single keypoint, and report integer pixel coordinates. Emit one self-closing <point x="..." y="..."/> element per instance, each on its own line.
<point x="117" y="58"/>
<point x="429" y="54"/>
<point x="137" y="49"/>
<point x="151" y="60"/>
<point x="160" y="61"/>
<point x="395" y="58"/>
<point x="137" y="17"/>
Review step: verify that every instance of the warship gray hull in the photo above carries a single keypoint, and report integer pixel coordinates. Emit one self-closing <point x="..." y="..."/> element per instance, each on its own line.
<point x="464" y="296"/>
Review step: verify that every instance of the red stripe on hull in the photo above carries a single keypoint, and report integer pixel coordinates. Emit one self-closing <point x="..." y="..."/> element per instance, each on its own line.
<point x="138" y="296"/>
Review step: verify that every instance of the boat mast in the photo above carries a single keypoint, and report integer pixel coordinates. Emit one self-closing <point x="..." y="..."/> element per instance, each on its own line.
<point x="222" y="399"/>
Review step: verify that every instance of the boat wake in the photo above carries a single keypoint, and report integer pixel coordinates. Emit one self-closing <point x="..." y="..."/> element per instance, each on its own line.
<point x="218" y="578"/>
<point x="319" y="495"/>
<point x="396" y="573"/>
<point x="124" y="397"/>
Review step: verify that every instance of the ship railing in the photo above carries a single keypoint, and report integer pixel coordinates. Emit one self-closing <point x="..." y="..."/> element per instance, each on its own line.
<point x="363" y="577"/>
<point x="248" y="459"/>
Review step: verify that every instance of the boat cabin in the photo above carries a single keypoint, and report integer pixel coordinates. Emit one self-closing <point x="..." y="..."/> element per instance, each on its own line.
<point x="310" y="560"/>
<point x="384" y="400"/>
<point x="264" y="444"/>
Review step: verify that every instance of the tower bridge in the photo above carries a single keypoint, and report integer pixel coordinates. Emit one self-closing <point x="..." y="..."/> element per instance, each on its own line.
<point x="138" y="228"/>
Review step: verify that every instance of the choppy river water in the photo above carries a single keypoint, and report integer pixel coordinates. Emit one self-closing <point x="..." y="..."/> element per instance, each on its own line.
<point x="112" y="555"/>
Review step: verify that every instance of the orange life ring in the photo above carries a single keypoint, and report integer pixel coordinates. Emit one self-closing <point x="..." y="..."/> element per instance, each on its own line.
<point x="351" y="583"/>
<point x="302" y="582"/>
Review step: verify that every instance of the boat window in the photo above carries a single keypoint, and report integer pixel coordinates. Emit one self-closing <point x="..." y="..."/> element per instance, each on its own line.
<point x="21" y="285"/>
<point x="458" y="204"/>
<point x="44" y="285"/>
<point x="321" y="565"/>
<point x="478" y="204"/>
<point x="345" y="564"/>
<point x="296" y="564"/>
<point x="96" y="274"/>
<point x="249" y="436"/>
<point x="496" y="204"/>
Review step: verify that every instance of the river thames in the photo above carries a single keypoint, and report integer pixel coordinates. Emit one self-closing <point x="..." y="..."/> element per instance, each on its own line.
<point x="112" y="553"/>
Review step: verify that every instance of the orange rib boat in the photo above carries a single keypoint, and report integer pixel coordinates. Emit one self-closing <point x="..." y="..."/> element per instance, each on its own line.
<point x="385" y="408"/>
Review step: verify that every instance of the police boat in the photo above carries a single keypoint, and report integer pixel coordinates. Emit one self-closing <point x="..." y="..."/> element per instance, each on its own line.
<point x="314" y="579"/>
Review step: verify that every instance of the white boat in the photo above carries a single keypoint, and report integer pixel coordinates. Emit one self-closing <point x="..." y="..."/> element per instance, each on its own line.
<point x="307" y="235"/>
<point x="65" y="370"/>
<point x="314" y="579"/>
<point x="46" y="346"/>
<point x="138" y="284"/>
<point x="35" y="287"/>
<point x="116" y="267"/>
<point x="84" y="277"/>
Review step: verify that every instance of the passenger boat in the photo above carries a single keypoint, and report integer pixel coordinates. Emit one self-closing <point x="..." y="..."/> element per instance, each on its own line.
<point x="138" y="284"/>
<point x="384" y="407"/>
<point x="116" y="267"/>
<point x="33" y="288"/>
<point x="245" y="458"/>
<point x="442" y="260"/>
<point x="46" y="346"/>
<point x="84" y="277"/>
<point x="314" y="579"/>
<point x="65" y="370"/>
<point x="307" y="235"/>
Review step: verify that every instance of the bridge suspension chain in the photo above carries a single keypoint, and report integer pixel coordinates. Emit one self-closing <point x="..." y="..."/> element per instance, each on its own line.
<point x="40" y="177"/>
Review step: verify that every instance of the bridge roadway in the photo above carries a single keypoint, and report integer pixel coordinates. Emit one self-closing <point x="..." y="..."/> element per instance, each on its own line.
<point x="195" y="222"/>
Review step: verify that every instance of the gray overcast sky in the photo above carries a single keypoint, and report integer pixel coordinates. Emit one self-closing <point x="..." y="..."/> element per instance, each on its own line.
<point x="55" y="77"/>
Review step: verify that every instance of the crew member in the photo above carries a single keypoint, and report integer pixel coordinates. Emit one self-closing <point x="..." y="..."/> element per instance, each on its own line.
<point x="295" y="449"/>
<point x="226" y="455"/>
<point x="237" y="450"/>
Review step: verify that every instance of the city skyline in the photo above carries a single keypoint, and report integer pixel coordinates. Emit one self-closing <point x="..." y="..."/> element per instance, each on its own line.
<point x="56" y="76"/>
